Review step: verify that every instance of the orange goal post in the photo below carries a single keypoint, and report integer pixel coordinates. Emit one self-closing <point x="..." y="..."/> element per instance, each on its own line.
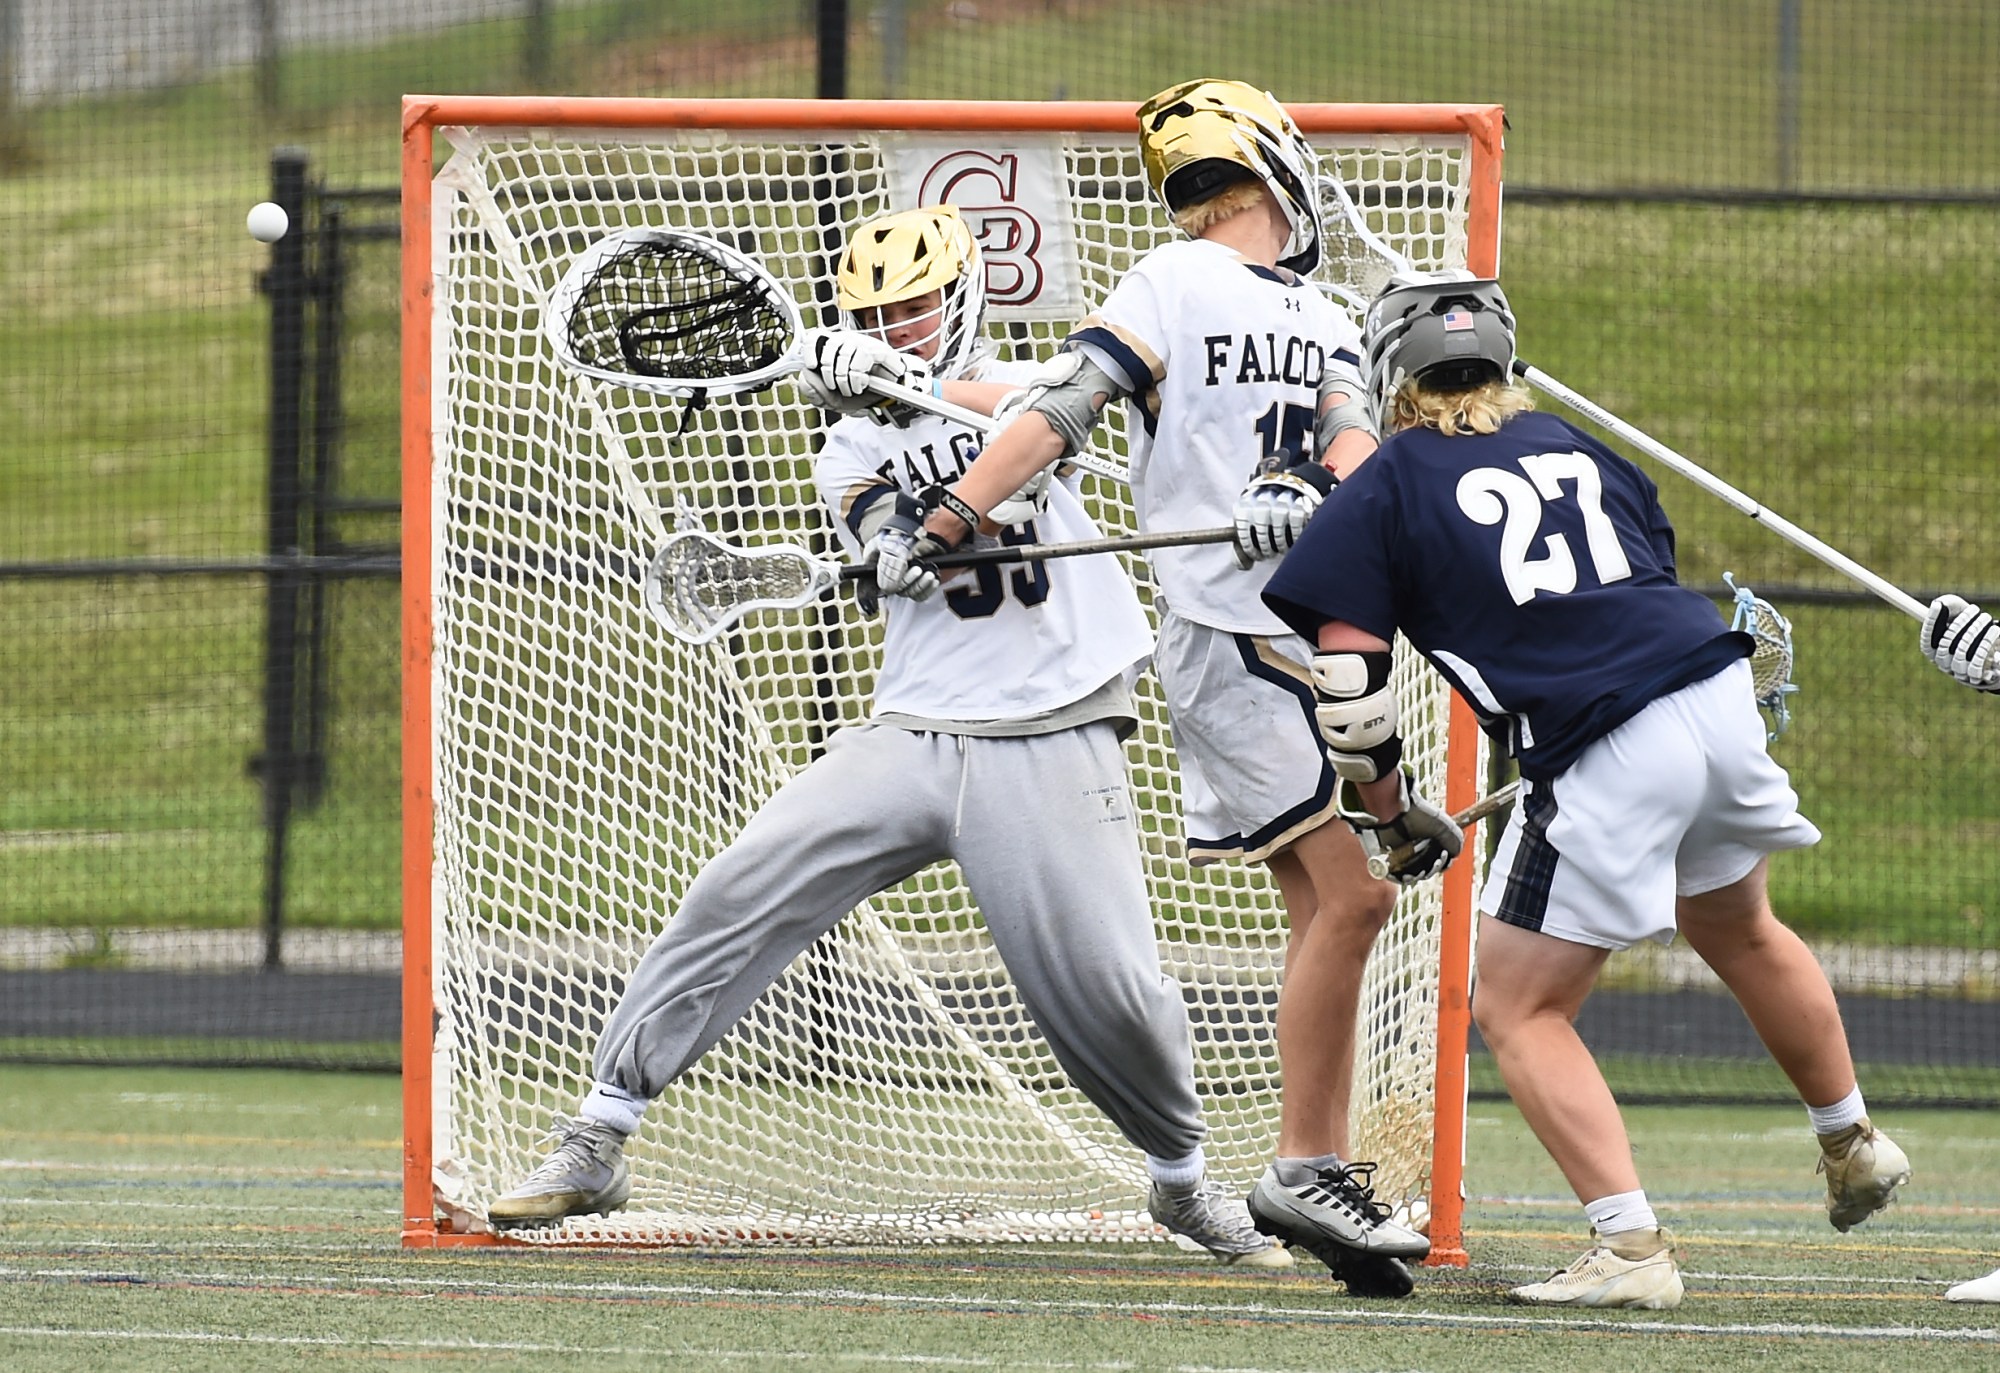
<point x="569" y="768"/>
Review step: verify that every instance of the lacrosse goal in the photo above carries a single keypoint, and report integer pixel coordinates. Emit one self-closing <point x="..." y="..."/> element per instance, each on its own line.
<point x="569" y="767"/>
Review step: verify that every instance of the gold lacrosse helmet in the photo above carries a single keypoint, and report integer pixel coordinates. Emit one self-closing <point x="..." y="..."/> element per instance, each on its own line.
<point x="898" y="256"/>
<point x="1201" y="136"/>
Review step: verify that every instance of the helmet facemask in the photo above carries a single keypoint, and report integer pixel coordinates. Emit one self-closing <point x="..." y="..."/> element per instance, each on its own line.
<point x="903" y="256"/>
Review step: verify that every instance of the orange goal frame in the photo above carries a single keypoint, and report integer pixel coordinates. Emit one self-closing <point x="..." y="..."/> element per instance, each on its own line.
<point x="423" y="116"/>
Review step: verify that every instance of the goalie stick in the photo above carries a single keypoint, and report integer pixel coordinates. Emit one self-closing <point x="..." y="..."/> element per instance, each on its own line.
<point x="699" y="587"/>
<point x="679" y="314"/>
<point x="1381" y="864"/>
<point x="1366" y="264"/>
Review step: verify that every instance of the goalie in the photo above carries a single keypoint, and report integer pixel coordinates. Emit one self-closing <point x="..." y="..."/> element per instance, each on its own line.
<point x="999" y="709"/>
<point x="1534" y="568"/>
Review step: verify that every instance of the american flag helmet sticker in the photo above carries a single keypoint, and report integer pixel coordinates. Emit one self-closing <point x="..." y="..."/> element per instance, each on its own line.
<point x="1457" y="319"/>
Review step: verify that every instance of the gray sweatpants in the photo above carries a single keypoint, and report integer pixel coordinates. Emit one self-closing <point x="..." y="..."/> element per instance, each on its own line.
<point x="1042" y="828"/>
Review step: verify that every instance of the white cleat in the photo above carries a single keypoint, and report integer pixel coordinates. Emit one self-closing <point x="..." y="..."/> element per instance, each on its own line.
<point x="1863" y="1169"/>
<point x="1334" y="1217"/>
<point x="586" y="1175"/>
<point x="1216" y="1221"/>
<point x="1639" y="1274"/>
<point x="1979" y="1289"/>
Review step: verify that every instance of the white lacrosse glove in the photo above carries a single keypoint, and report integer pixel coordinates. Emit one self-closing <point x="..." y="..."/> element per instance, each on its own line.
<point x="900" y="555"/>
<point x="1273" y="509"/>
<point x="1417" y="844"/>
<point x="842" y="364"/>
<point x="1029" y="503"/>
<point x="1964" y="642"/>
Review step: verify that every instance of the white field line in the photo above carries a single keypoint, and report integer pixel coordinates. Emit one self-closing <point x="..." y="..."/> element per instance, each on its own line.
<point x="1317" y="1314"/>
<point x="47" y="1165"/>
<point x="115" y="1204"/>
<point x="772" y="1358"/>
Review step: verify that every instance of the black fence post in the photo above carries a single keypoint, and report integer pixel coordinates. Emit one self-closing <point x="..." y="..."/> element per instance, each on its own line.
<point x="832" y="34"/>
<point x="287" y="283"/>
<point x="327" y="282"/>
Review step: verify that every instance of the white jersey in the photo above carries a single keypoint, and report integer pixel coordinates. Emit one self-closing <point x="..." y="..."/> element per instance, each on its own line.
<point x="1226" y="358"/>
<point x="999" y="642"/>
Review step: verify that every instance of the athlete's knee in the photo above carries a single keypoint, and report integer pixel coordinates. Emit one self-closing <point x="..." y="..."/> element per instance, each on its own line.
<point x="1361" y="910"/>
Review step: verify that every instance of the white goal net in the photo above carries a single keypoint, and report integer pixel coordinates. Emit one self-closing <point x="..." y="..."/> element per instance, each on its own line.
<point x="582" y="766"/>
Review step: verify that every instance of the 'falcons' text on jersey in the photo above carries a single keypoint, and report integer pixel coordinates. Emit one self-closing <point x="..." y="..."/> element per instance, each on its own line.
<point x="1248" y="358"/>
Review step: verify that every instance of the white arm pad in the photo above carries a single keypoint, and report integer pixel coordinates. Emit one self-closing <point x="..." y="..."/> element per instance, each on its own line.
<point x="1357" y="714"/>
<point x="1353" y="412"/>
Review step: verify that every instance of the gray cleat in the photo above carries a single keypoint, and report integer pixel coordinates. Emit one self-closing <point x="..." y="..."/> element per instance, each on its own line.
<point x="586" y="1175"/>
<point x="1217" y="1221"/>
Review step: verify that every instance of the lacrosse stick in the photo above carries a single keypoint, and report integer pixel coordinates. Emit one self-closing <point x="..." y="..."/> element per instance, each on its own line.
<point x="700" y="587"/>
<point x="1355" y="263"/>
<point x="1381" y="864"/>
<point x="1716" y="486"/>
<point x="677" y="314"/>
<point x="1771" y="659"/>
<point x="1369" y="263"/>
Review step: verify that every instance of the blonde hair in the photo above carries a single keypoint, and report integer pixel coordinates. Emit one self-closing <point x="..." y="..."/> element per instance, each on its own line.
<point x="1482" y="410"/>
<point x="1230" y="201"/>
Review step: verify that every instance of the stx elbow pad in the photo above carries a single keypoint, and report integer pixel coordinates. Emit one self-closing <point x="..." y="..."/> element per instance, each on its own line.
<point x="1357" y="714"/>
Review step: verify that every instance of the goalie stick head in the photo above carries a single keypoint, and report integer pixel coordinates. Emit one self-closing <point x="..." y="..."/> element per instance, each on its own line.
<point x="1200" y="137"/>
<point x="671" y="312"/>
<point x="1450" y="331"/>
<point x="899" y="257"/>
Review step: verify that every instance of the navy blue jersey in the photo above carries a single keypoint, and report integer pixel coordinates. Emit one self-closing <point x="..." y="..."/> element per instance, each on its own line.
<point x="1533" y="567"/>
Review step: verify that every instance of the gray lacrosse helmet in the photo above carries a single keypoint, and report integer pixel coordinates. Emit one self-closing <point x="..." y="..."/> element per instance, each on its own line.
<point x="1450" y="330"/>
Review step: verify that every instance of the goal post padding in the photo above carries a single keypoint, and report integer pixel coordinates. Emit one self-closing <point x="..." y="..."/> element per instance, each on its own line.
<point x="569" y="768"/>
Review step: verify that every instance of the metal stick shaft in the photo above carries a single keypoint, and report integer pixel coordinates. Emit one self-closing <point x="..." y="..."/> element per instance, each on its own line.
<point x="1716" y="486"/>
<point x="1035" y="553"/>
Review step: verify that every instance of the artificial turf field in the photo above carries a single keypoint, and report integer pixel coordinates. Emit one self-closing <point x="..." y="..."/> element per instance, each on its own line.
<point x="171" y="1219"/>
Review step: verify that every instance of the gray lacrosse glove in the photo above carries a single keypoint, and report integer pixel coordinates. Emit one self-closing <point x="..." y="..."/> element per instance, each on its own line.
<point x="899" y="554"/>
<point x="1964" y="642"/>
<point x="1419" y="843"/>
<point x="1273" y="509"/>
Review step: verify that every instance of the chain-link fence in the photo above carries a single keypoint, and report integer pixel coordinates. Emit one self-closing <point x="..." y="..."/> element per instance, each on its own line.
<point x="1762" y="232"/>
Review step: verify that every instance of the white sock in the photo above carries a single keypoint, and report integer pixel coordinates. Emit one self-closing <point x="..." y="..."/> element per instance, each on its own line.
<point x="1621" y="1213"/>
<point x="1178" y="1173"/>
<point x="1849" y="1110"/>
<point x="1296" y="1172"/>
<point x="613" y="1106"/>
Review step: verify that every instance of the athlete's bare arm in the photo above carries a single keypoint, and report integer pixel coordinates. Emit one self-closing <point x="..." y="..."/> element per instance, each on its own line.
<point x="1026" y="446"/>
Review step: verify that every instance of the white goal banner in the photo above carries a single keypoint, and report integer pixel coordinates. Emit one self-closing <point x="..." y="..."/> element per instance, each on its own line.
<point x="1013" y="192"/>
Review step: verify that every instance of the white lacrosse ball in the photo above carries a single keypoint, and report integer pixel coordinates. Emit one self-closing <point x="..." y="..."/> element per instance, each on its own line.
<point x="267" y="222"/>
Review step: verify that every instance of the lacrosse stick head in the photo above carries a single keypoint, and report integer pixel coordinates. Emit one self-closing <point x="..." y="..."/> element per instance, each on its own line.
<point x="673" y="313"/>
<point x="699" y="587"/>
<point x="902" y="256"/>
<point x="1771" y="657"/>
<point x="1357" y="263"/>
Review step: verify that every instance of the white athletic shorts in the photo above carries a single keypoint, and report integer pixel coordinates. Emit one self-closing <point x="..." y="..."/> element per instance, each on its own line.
<point x="1679" y="800"/>
<point x="1254" y="771"/>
